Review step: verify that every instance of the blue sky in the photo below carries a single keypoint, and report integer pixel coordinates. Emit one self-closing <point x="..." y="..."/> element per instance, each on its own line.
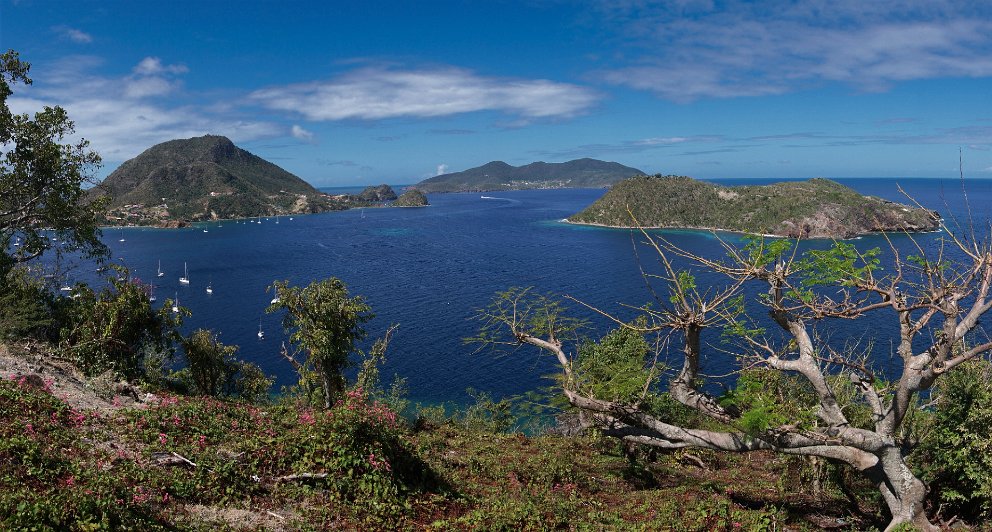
<point x="344" y="93"/>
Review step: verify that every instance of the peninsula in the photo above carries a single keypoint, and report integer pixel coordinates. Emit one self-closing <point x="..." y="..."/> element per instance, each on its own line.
<point x="816" y="208"/>
<point x="497" y="175"/>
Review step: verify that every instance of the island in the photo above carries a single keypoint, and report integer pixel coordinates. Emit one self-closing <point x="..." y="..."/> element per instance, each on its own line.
<point x="207" y="178"/>
<point x="377" y="194"/>
<point x="411" y="198"/>
<point x="816" y="208"/>
<point x="498" y="175"/>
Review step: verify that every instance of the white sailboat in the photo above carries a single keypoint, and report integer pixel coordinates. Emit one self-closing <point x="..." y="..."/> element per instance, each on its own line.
<point x="160" y="272"/>
<point x="185" y="278"/>
<point x="122" y="235"/>
<point x="210" y="287"/>
<point x="261" y="334"/>
<point x="175" y="303"/>
<point x="151" y="294"/>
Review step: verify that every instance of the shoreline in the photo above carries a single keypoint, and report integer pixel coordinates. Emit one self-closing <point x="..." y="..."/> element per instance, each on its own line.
<point x="736" y="232"/>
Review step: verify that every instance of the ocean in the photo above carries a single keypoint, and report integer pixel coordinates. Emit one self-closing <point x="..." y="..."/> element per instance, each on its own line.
<point x="429" y="270"/>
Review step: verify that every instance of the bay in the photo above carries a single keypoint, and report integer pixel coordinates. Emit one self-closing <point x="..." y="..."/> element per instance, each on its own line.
<point x="429" y="270"/>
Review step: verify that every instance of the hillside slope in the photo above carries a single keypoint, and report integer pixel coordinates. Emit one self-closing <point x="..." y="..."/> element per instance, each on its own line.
<point x="206" y="178"/>
<point x="817" y="208"/>
<point x="497" y="175"/>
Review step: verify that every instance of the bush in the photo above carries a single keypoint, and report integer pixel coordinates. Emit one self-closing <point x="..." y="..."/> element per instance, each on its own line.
<point x="955" y="454"/>
<point x="110" y="330"/>
<point x="25" y="306"/>
<point x="215" y="370"/>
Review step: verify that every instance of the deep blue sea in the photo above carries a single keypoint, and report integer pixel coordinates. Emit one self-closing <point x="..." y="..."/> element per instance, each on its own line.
<point x="430" y="269"/>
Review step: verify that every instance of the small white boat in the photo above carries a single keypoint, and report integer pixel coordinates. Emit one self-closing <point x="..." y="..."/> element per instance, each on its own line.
<point x="210" y="287"/>
<point x="274" y="300"/>
<point x="160" y="272"/>
<point x="175" y="303"/>
<point x="151" y="294"/>
<point x="122" y="235"/>
<point x="205" y="231"/>
<point x="185" y="278"/>
<point x="261" y="334"/>
<point x="66" y="288"/>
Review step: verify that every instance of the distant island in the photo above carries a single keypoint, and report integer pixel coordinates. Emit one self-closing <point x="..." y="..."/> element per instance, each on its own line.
<point x="497" y="175"/>
<point x="377" y="194"/>
<point x="816" y="208"/>
<point x="411" y="198"/>
<point x="209" y="178"/>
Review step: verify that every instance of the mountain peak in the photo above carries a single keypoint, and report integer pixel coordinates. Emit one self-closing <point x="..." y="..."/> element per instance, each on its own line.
<point x="205" y="177"/>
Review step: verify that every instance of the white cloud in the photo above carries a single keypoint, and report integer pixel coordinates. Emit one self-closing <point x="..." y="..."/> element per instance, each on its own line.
<point x="153" y="65"/>
<point x="73" y="34"/>
<point x="123" y="116"/>
<point x="377" y="93"/>
<point x="753" y="49"/>
<point x="302" y="134"/>
<point x="441" y="169"/>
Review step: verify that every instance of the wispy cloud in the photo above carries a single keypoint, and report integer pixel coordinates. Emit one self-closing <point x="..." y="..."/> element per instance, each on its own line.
<point x="302" y="134"/>
<point x="122" y="116"/>
<point x="441" y="169"/>
<point x="694" y="50"/>
<point x="73" y="34"/>
<point x="377" y="93"/>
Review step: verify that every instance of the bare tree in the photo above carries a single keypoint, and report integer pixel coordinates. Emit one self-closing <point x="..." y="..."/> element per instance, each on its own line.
<point x="934" y="301"/>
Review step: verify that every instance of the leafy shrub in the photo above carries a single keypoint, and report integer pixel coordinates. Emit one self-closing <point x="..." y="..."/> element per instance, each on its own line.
<point x="768" y="398"/>
<point x="109" y="330"/>
<point x="955" y="454"/>
<point x="215" y="370"/>
<point x="25" y="306"/>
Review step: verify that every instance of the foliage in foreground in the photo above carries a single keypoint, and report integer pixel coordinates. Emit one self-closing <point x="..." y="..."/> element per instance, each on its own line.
<point x="62" y="468"/>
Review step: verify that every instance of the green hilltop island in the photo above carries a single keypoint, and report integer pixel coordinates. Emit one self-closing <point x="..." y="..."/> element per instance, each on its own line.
<point x="816" y="208"/>
<point x="209" y="178"/>
<point x="497" y="175"/>
<point x="411" y="198"/>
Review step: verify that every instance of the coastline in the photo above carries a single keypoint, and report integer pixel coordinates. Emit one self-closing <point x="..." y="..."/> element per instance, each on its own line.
<point x="737" y="232"/>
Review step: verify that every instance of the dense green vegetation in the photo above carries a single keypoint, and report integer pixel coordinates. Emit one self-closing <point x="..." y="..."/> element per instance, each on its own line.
<point x="411" y="198"/>
<point x="497" y="175"/>
<point x="815" y="208"/>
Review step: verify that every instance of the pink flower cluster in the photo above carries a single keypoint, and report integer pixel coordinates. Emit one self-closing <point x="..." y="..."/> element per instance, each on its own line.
<point x="378" y="464"/>
<point x="306" y="417"/>
<point x="201" y="442"/>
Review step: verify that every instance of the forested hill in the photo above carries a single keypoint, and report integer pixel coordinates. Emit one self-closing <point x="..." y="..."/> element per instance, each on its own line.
<point x="817" y="208"/>
<point x="203" y="178"/>
<point x="497" y="175"/>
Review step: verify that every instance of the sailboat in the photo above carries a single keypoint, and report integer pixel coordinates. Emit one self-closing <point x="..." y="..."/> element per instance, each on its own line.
<point x="185" y="278"/>
<point x="210" y="288"/>
<point x="160" y="272"/>
<point x="122" y="235"/>
<point x="175" y="303"/>
<point x="151" y="294"/>
<point x="261" y="334"/>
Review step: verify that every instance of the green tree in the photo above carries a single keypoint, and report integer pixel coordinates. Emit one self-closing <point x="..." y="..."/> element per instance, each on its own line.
<point x="324" y="323"/>
<point x="42" y="179"/>
<point x="214" y="369"/>
<point x="111" y="329"/>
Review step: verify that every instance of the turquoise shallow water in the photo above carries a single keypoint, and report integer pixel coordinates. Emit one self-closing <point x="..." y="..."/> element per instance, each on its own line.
<point x="430" y="269"/>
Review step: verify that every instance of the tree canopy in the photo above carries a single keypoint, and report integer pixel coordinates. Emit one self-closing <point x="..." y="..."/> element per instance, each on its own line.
<point x="42" y="179"/>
